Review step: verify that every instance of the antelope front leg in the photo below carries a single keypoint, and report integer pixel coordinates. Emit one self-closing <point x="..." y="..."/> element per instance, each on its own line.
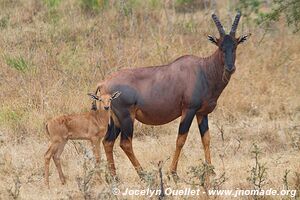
<point x="48" y="155"/>
<point x="108" y="143"/>
<point x="95" y="141"/>
<point x="126" y="144"/>
<point x="185" y="124"/>
<point x="205" y="136"/>
<point x="56" y="159"/>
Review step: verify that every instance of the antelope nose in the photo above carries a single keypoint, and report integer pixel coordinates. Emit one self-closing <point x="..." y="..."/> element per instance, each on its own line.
<point x="230" y="69"/>
<point x="106" y="107"/>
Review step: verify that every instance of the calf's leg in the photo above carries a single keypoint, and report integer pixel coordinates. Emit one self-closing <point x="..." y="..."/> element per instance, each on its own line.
<point x="96" y="148"/>
<point x="48" y="155"/>
<point x="56" y="159"/>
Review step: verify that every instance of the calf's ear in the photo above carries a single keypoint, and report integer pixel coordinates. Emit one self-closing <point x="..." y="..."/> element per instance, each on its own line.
<point x="115" y="95"/>
<point x="93" y="96"/>
<point x="94" y="106"/>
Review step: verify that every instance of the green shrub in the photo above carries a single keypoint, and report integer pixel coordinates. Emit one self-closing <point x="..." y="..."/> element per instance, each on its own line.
<point x="52" y="3"/>
<point x="94" y="6"/>
<point x="188" y="5"/>
<point x="52" y="13"/>
<point x="277" y="8"/>
<point x="198" y="174"/>
<point x="127" y="6"/>
<point x="258" y="173"/>
<point x="10" y="117"/>
<point x="17" y="63"/>
<point x="4" y="22"/>
<point x="155" y="4"/>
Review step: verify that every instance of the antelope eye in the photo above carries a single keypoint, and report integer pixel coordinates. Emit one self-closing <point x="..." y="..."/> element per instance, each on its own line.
<point x="110" y="98"/>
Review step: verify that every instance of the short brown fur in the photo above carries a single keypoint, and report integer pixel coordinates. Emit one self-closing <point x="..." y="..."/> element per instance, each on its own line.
<point x="91" y="126"/>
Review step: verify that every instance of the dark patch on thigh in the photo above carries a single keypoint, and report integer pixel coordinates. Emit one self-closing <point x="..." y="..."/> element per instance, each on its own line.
<point x="187" y="121"/>
<point x="112" y="132"/>
<point x="126" y="128"/>
<point x="126" y="123"/>
<point x="203" y="126"/>
<point x="129" y="97"/>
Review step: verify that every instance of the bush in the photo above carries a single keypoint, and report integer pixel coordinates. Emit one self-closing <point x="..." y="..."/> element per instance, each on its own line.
<point x="52" y="3"/>
<point x="94" y="6"/>
<point x="289" y="8"/>
<point x="258" y="173"/>
<point x="17" y="63"/>
<point x="189" y="5"/>
<point x="4" y="22"/>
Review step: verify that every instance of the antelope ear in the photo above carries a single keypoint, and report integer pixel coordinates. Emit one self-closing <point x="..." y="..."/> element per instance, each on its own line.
<point x="94" y="106"/>
<point x="243" y="38"/>
<point x="115" y="95"/>
<point x="212" y="39"/>
<point x="94" y="97"/>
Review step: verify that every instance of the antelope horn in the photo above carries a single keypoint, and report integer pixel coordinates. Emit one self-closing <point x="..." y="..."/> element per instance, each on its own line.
<point x="235" y="24"/>
<point x="218" y="24"/>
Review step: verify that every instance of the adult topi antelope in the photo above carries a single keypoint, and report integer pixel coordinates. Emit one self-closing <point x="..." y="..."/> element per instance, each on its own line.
<point x="188" y="87"/>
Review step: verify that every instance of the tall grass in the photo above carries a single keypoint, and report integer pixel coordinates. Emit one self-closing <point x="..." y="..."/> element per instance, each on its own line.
<point x="17" y="63"/>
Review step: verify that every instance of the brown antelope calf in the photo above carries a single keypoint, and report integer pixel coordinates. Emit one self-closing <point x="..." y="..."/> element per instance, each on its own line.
<point x="91" y="126"/>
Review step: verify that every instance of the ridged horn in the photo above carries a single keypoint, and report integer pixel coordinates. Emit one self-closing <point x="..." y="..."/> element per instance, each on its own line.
<point x="235" y="24"/>
<point x="218" y="24"/>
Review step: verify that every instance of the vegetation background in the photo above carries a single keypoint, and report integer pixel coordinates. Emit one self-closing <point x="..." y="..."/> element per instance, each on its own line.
<point x="53" y="52"/>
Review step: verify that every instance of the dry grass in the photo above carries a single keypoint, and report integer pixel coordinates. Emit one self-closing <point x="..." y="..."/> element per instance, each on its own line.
<point x="51" y="57"/>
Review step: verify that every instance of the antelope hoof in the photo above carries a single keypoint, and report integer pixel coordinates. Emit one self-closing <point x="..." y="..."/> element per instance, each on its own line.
<point x="213" y="173"/>
<point x="63" y="181"/>
<point x="207" y="183"/>
<point x="209" y="178"/>
<point x="116" y="179"/>
<point x="175" y="176"/>
<point x="111" y="179"/>
<point x="142" y="174"/>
